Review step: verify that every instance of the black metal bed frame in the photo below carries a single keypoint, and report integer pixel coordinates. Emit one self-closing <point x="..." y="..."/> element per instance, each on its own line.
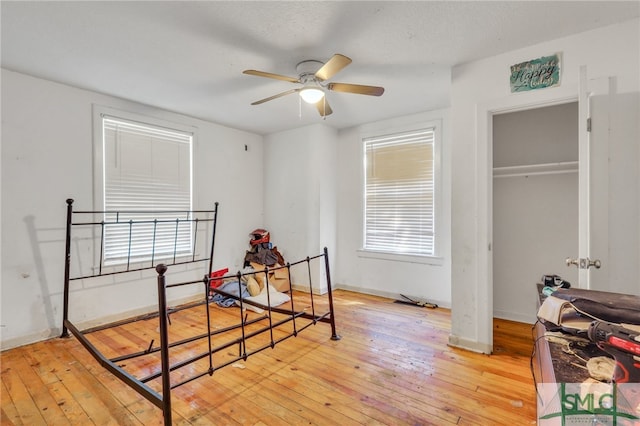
<point x="163" y="400"/>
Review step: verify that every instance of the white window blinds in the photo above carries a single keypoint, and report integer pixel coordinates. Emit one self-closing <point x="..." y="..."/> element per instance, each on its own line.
<point x="399" y="193"/>
<point x="146" y="169"/>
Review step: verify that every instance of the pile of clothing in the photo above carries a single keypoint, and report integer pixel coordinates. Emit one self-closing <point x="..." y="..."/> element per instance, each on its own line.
<point x="262" y="251"/>
<point x="264" y="255"/>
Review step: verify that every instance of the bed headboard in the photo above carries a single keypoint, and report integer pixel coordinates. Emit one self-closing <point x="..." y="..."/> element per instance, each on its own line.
<point x="134" y="240"/>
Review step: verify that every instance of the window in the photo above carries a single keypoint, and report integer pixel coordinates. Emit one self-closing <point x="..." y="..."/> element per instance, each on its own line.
<point x="399" y="193"/>
<point x="145" y="168"/>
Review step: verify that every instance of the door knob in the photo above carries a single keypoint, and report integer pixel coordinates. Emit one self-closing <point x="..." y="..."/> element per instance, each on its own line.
<point x="569" y="261"/>
<point x="583" y="263"/>
<point x="595" y="263"/>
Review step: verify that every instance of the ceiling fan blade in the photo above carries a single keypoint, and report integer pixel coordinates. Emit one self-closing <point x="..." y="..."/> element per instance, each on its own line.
<point x="333" y="65"/>
<point x="270" y="98"/>
<point x="323" y="107"/>
<point x="271" y="75"/>
<point x="356" y="88"/>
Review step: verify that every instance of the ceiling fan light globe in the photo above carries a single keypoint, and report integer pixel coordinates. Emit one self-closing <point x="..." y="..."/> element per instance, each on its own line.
<point x="311" y="95"/>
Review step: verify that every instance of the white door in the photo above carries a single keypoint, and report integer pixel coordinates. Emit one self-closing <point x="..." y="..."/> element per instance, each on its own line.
<point x="609" y="186"/>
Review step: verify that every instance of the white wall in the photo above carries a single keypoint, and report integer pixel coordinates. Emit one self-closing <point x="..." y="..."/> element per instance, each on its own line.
<point x="482" y="87"/>
<point x="299" y="190"/>
<point x="313" y="198"/>
<point x="47" y="157"/>
<point x="535" y="229"/>
<point x="428" y="281"/>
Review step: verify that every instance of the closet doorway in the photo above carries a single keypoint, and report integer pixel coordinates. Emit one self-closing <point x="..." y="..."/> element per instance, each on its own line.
<point x="535" y="204"/>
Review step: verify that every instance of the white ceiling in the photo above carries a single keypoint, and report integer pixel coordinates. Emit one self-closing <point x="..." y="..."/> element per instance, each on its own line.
<point x="188" y="56"/>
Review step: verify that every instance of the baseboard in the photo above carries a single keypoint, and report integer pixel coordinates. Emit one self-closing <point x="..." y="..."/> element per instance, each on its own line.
<point x="29" y="339"/>
<point x="305" y="289"/>
<point x="514" y="316"/>
<point x="390" y="295"/>
<point x="469" y="345"/>
<point x="57" y="331"/>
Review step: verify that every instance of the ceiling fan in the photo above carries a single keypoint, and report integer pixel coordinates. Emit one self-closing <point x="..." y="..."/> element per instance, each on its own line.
<point x="313" y="76"/>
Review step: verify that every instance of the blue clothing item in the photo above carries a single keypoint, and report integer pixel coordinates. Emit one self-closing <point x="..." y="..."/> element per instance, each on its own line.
<point x="233" y="288"/>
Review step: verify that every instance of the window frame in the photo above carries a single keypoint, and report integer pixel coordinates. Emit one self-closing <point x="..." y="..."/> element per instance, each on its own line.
<point x="99" y="112"/>
<point x="381" y="129"/>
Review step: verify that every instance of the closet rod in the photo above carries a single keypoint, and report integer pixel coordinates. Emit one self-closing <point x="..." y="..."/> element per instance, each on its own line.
<point x="536" y="169"/>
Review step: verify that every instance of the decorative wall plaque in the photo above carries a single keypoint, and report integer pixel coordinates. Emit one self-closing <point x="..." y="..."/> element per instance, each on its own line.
<point x="536" y="74"/>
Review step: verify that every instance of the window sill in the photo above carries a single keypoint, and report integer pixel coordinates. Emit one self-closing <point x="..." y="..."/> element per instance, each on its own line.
<point x="408" y="258"/>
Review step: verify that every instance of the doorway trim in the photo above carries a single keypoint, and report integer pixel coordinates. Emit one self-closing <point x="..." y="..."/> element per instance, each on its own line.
<point x="484" y="191"/>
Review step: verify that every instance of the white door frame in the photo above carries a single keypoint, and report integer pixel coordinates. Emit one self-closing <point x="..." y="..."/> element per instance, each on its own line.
<point x="584" y="161"/>
<point x="484" y="188"/>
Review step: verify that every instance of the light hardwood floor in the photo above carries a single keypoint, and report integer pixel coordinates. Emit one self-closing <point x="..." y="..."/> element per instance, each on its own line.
<point x="392" y="367"/>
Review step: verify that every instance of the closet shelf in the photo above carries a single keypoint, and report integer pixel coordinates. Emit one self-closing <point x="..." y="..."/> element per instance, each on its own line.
<point x="536" y="169"/>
